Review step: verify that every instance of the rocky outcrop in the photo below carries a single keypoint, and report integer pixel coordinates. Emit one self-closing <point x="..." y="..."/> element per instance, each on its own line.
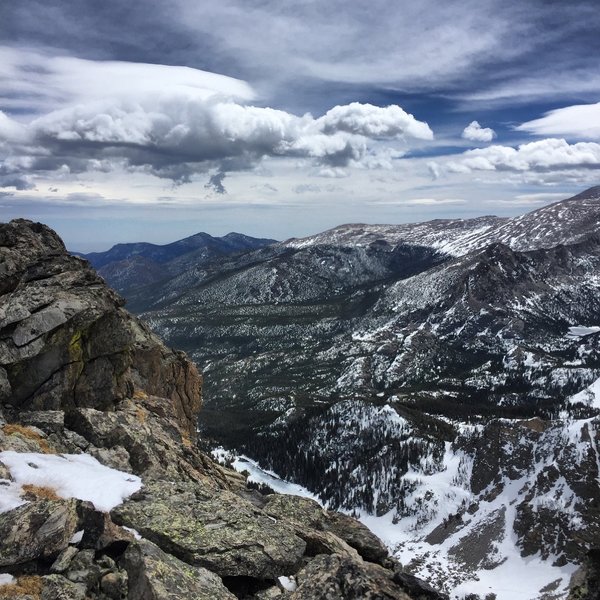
<point x="155" y="575"/>
<point x="213" y="529"/>
<point x="66" y="342"/>
<point x="585" y="584"/>
<point x="78" y="374"/>
<point x="39" y="529"/>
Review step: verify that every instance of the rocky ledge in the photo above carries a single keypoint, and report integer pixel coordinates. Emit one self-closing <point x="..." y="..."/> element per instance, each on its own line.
<point x="83" y="381"/>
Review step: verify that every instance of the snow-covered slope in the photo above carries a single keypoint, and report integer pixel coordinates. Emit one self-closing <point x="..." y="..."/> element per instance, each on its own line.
<point x="564" y="222"/>
<point x="501" y="507"/>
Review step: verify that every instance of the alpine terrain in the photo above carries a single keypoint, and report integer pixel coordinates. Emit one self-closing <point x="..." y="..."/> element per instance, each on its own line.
<point x="104" y="494"/>
<point x="441" y="381"/>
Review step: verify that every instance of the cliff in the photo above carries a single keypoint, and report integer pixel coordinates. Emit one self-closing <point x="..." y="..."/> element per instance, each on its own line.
<point x="84" y="382"/>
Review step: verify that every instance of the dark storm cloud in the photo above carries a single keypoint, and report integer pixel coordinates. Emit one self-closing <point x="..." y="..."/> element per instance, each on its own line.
<point x="215" y="183"/>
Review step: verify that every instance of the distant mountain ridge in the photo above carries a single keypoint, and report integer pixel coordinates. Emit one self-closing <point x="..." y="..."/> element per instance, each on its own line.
<point x="126" y="266"/>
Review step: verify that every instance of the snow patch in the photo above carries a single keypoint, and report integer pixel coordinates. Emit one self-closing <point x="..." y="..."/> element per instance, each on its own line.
<point x="77" y="537"/>
<point x="134" y="532"/>
<point x="580" y="331"/>
<point x="257" y="475"/>
<point x="288" y="583"/>
<point x="10" y="495"/>
<point x="72" y="476"/>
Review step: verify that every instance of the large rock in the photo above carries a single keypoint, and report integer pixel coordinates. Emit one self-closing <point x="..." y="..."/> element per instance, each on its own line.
<point x="57" y="587"/>
<point x="308" y="516"/>
<point x="40" y="529"/>
<point x="585" y="584"/>
<point x="155" y="575"/>
<point x="219" y="531"/>
<point x="333" y="577"/>
<point x="142" y="437"/>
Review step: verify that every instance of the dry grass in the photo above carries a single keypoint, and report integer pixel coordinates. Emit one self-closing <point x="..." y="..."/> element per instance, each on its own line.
<point x="30" y="434"/>
<point x="141" y="414"/>
<point x="140" y="395"/>
<point x="38" y="491"/>
<point x="28" y="585"/>
<point x="186" y="440"/>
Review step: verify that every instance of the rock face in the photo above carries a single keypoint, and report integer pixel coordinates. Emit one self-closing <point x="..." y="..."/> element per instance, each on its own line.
<point x="66" y="341"/>
<point x="78" y="374"/>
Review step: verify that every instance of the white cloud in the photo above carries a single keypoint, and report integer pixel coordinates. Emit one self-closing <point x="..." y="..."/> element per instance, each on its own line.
<point x="476" y="133"/>
<point x="11" y="130"/>
<point x="410" y="46"/>
<point x="547" y="83"/>
<point x="332" y="173"/>
<point x="434" y="201"/>
<point x="547" y="155"/>
<point x="537" y="198"/>
<point x="174" y="122"/>
<point x="374" y="122"/>
<point x="42" y="82"/>
<point x="579" y="121"/>
<point x="307" y="188"/>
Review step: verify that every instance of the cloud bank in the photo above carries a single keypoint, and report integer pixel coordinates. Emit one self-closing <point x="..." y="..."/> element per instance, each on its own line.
<point x="579" y="121"/>
<point x="174" y="122"/>
<point x="546" y="155"/>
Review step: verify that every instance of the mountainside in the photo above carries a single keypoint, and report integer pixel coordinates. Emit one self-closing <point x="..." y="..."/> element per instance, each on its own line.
<point x="103" y="492"/>
<point x="431" y="375"/>
<point x="128" y="266"/>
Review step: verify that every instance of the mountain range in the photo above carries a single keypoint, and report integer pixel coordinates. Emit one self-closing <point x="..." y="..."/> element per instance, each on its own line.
<point x="128" y="266"/>
<point x="440" y="380"/>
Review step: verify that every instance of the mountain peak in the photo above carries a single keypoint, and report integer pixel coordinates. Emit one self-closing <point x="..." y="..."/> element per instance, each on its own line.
<point x="591" y="193"/>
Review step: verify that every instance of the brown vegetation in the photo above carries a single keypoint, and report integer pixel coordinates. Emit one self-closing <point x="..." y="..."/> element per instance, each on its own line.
<point x="38" y="491"/>
<point x="140" y="395"/>
<point x="30" y="434"/>
<point x="141" y="414"/>
<point x="186" y="440"/>
<point x="27" y="585"/>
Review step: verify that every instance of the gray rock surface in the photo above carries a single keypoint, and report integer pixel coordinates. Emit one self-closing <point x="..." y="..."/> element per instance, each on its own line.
<point x="65" y="340"/>
<point x="219" y="531"/>
<point x="332" y="577"/>
<point x="40" y="529"/>
<point x="155" y="575"/>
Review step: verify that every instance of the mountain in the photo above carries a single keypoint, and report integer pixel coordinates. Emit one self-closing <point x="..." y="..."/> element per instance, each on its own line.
<point x="104" y="493"/>
<point x="437" y="378"/>
<point x="127" y="266"/>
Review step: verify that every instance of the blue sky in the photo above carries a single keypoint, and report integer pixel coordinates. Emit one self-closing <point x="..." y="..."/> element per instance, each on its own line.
<point x="154" y="120"/>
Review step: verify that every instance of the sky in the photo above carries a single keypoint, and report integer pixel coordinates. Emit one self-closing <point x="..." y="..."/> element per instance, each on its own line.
<point x="151" y="121"/>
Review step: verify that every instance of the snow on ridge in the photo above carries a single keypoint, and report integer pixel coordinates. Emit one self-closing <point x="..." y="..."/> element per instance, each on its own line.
<point x="70" y="476"/>
<point x="567" y="221"/>
<point x="590" y="396"/>
<point x="261" y="476"/>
